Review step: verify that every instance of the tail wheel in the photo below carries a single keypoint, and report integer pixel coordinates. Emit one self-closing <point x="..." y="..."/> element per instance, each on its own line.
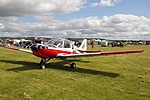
<point x="42" y="64"/>
<point x="73" y="65"/>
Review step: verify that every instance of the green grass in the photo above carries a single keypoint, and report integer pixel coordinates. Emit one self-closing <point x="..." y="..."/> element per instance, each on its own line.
<point x="119" y="77"/>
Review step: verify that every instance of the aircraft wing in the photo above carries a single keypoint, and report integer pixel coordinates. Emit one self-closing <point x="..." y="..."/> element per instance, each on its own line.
<point x="121" y="52"/>
<point x="19" y="49"/>
<point x="89" y="51"/>
<point x="98" y="53"/>
<point x="77" y="55"/>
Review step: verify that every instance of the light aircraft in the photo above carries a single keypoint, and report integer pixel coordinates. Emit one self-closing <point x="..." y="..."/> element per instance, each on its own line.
<point x="63" y="49"/>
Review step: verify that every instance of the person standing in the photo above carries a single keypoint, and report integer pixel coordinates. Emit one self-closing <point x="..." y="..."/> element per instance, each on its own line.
<point x="92" y="43"/>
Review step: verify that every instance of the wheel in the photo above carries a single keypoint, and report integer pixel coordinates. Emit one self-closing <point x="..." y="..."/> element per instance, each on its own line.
<point x="73" y="65"/>
<point x="42" y="64"/>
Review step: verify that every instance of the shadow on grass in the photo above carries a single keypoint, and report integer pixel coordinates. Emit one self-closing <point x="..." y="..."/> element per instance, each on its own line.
<point x="56" y="65"/>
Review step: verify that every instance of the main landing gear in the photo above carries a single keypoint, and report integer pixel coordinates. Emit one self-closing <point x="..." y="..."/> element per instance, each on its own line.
<point x="73" y="65"/>
<point x="43" y="63"/>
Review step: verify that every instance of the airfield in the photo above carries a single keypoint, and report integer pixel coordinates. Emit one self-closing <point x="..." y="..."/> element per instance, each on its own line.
<point x="114" y="77"/>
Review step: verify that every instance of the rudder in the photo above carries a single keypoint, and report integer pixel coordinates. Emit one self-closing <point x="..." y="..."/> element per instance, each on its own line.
<point x="83" y="45"/>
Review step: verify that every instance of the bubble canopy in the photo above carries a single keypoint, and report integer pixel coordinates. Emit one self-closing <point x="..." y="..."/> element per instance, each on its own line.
<point x="59" y="43"/>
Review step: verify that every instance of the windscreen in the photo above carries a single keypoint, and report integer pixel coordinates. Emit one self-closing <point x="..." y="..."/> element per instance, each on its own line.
<point x="55" y="43"/>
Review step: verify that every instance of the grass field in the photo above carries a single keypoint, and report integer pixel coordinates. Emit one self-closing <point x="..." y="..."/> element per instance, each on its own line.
<point x="114" y="77"/>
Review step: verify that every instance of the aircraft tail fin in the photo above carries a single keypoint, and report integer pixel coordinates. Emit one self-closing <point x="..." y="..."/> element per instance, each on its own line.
<point x="83" y="45"/>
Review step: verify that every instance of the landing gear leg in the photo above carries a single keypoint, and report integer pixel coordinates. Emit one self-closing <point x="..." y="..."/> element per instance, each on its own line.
<point x="43" y="63"/>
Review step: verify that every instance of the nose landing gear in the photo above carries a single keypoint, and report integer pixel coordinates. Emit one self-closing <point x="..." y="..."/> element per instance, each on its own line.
<point x="43" y="63"/>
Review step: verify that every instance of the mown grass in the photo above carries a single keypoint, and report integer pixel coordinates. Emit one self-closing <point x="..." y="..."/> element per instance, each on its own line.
<point x="118" y="77"/>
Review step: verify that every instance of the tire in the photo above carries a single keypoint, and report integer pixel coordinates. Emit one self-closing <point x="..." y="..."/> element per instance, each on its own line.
<point x="73" y="65"/>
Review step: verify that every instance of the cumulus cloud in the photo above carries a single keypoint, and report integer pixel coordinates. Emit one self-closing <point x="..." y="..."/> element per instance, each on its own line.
<point x="104" y="3"/>
<point x="119" y="26"/>
<point x="27" y="7"/>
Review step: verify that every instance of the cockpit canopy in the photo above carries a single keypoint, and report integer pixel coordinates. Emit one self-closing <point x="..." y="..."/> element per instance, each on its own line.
<point x="59" y="43"/>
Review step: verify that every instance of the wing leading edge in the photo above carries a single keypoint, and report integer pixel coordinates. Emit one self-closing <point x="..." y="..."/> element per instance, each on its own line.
<point x="121" y="52"/>
<point x="98" y="53"/>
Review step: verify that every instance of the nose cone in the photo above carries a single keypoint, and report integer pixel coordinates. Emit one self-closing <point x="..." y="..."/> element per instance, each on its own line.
<point x="36" y="47"/>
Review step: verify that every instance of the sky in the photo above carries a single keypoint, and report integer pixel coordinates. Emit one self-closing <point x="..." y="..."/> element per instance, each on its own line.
<point x="109" y="19"/>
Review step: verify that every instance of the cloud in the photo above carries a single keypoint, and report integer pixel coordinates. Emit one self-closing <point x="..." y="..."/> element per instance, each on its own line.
<point x="8" y="19"/>
<point x="104" y="3"/>
<point x="28" y="7"/>
<point x="119" y="26"/>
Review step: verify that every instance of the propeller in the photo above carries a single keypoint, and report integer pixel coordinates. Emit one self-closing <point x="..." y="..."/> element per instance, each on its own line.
<point x="38" y="46"/>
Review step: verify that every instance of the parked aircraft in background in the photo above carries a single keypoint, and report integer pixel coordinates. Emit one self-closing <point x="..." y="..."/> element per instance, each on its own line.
<point x="63" y="49"/>
<point x="16" y="42"/>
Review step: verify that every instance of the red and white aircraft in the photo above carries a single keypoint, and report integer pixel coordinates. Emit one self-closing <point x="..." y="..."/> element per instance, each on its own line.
<point x="63" y="49"/>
